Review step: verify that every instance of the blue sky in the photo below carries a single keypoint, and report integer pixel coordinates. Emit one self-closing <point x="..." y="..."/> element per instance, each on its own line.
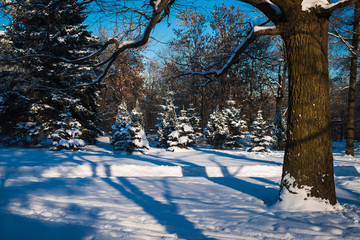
<point x="163" y="32"/>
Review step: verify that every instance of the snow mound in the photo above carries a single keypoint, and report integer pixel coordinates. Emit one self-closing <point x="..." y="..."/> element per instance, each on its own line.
<point x="299" y="200"/>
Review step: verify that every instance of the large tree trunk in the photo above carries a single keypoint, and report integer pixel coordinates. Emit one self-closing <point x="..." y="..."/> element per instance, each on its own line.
<point x="308" y="157"/>
<point x="352" y="85"/>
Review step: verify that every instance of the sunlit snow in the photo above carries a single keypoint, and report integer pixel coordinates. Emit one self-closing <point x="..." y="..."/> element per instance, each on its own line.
<point x="200" y="193"/>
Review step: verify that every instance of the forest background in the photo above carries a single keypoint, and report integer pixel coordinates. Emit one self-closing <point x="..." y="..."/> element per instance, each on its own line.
<point x="195" y="35"/>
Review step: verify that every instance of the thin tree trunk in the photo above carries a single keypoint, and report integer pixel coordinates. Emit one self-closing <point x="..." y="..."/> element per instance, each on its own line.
<point x="352" y="85"/>
<point x="308" y="157"/>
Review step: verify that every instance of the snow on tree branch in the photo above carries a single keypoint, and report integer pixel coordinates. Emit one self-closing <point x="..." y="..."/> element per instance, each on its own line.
<point x="250" y="38"/>
<point x="268" y="7"/>
<point x="274" y="6"/>
<point x="324" y="7"/>
<point x="340" y="4"/>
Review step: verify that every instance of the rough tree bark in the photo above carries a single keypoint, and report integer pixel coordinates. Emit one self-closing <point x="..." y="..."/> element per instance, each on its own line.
<point x="352" y="83"/>
<point x="308" y="156"/>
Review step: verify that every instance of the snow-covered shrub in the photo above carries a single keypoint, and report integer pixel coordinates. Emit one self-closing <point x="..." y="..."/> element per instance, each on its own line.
<point x="259" y="136"/>
<point x="168" y="123"/>
<point x="67" y="136"/>
<point x="194" y="121"/>
<point x="278" y="132"/>
<point x="216" y="131"/>
<point x="183" y="136"/>
<point x="121" y="121"/>
<point x="237" y="127"/>
<point x="132" y="138"/>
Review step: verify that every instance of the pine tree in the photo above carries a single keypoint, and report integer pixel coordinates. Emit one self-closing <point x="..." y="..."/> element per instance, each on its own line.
<point x="279" y="132"/>
<point x="183" y="136"/>
<point x="121" y="121"/>
<point x="168" y="123"/>
<point x="68" y="135"/>
<point x="216" y="131"/>
<point x="237" y="127"/>
<point x="194" y="121"/>
<point x="259" y="136"/>
<point x="132" y="138"/>
<point x="41" y="84"/>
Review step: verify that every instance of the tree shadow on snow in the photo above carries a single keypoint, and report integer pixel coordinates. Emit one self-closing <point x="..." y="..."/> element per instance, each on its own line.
<point x="166" y="214"/>
<point x="353" y="194"/>
<point x="16" y="227"/>
<point x="268" y="195"/>
<point x="240" y="157"/>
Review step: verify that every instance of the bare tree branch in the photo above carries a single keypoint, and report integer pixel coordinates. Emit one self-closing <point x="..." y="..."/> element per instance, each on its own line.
<point x="337" y="35"/>
<point x="271" y="9"/>
<point x="255" y="32"/>
<point x="338" y="5"/>
<point x="160" y="10"/>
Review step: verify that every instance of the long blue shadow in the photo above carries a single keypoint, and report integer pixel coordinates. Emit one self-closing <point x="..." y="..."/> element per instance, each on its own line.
<point x="225" y="154"/>
<point x="268" y="195"/>
<point x="14" y="227"/>
<point x="166" y="214"/>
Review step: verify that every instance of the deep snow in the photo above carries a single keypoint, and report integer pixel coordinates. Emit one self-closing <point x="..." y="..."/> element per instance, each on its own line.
<point x="191" y="194"/>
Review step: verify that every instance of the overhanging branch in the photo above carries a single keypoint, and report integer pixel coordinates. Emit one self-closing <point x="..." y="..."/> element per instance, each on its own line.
<point x="329" y="8"/>
<point x="160" y="11"/>
<point x="269" y="8"/>
<point x="251" y="37"/>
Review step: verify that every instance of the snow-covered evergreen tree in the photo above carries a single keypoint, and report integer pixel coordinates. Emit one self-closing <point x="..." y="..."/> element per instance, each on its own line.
<point x="68" y="135"/>
<point x="260" y="135"/>
<point x="183" y="136"/>
<point x="168" y="123"/>
<point x="121" y="121"/>
<point x="237" y="127"/>
<point x="279" y="132"/>
<point x="194" y="120"/>
<point x="216" y="131"/>
<point x="133" y="138"/>
<point x="40" y="83"/>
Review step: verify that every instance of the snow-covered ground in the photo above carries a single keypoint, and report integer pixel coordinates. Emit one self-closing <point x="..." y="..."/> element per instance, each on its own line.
<point x="193" y="194"/>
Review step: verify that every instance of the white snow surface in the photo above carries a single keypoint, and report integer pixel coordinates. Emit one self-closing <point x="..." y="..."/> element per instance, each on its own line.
<point x="200" y="193"/>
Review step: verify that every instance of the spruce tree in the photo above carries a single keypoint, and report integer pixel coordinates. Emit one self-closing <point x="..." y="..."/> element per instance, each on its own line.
<point x="194" y="120"/>
<point x="121" y="121"/>
<point x="260" y="135"/>
<point x="237" y="127"/>
<point x="68" y="135"/>
<point x="41" y="83"/>
<point x="279" y="132"/>
<point x="168" y="123"/>
<point x="133" y="138"/>
<point x="183" y="136"/>
<point x="216" y="131"/>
